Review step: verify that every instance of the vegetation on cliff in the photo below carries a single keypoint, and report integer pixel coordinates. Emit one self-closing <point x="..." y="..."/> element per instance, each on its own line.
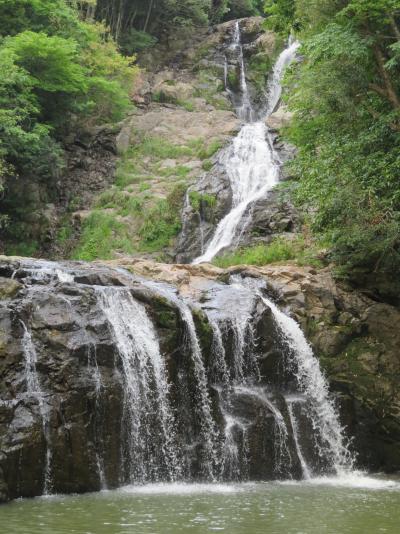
<point x="57" y="74"/>
<point x="345" y="96"/>
<point x="138" y="24"/>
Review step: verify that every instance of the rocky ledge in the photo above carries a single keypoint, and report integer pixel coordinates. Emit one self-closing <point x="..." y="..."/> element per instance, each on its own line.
<point x="356" y="339"/>
<point x="56" y="311"/>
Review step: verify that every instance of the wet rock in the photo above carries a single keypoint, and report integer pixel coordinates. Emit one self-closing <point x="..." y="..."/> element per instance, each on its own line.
<point x="9" y="288"/>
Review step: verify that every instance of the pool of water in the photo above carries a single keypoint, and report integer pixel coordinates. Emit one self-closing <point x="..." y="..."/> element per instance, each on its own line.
<point x="354" y="504"/>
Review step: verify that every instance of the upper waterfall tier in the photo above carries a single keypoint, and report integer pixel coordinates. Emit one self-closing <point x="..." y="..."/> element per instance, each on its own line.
<point x="251" y="163"/>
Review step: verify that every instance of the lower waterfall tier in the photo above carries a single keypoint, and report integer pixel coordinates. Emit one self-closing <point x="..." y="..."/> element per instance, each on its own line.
<point x="110" y="379"/>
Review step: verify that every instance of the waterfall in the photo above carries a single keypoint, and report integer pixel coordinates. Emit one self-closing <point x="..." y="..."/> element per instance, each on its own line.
<point x="275" y="86"/>
<point x="305" y="468"/>
<point x="244" y="110"/>
<point x="219" y="370"/>
<point x="234" y="453"/>
<point x="312" y="383"/>
<point x="231" y="311"/>
<point x="251" y="162"/>
<point x="33" y="388"/>
<point x="236" y="404"/>
<point x="149" y="452"/>
<point x="208" y="428"/>
<point x="94" y="370"/>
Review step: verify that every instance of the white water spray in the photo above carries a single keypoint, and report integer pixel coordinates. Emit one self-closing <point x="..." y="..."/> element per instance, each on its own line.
<point x="33" y="387"/>
<point x="147" y="412"/>
<point x="312" y="384"/>
<point x="208" y="428"/>
<point x="251" y="162"/>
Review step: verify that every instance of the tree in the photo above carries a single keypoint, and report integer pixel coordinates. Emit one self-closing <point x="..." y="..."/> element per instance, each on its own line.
<point x="281" y="15"/>
<point x="345" y="99"/>
<point x="58" y="74"/>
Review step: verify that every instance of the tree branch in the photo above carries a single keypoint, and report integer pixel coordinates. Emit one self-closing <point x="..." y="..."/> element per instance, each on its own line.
<point x="388" y="91"/>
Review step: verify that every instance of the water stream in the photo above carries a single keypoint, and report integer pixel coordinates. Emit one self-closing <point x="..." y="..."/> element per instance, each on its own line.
<point x="148" y="449"/>
<point x="251" y="162"/>
<point x="34" y="388"/>
<point x="229" y="421"/>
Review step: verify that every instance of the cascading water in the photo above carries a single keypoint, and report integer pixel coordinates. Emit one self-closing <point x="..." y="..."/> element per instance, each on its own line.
<point x="208" y="411"/>
<point x="148" y="449"/>
<point x="93" y="368"/>
<point x="244" y="110"/>
<point x="251" y="162"/>
<point x="311" y="382"/>
<point x="230" y="312"/>
<point x="305" y="468"/>
<point x="33" y="387"/>
<point x="208" y="429"/>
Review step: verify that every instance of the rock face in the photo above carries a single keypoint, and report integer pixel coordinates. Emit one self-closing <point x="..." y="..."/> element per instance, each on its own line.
<point x="110" y="378"/>
<point x="355" y="338"/>
<point x="66" y="407"/>
<point x="248" y="54"/>
<point x="90" y="159"/>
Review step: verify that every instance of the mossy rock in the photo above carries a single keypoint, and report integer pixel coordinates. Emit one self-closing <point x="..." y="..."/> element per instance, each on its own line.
<point x="204" y="332"/>
<point x="9" y="288"/>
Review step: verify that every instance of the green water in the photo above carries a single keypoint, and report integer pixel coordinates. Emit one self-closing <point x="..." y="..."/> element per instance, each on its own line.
<point x="371" y="506"/>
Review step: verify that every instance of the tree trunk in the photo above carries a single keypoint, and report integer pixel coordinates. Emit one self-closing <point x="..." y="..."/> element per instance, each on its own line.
<point x="388" y="89"/>
<point x="395" y="27"/>
<point x="148" y="15"/>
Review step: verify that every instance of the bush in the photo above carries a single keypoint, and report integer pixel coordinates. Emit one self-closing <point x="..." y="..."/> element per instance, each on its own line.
<point x="102" y="236"/>
<point x="278" y="250"/>
<point x="163" y="222"/>
<point x="281" y="249"/>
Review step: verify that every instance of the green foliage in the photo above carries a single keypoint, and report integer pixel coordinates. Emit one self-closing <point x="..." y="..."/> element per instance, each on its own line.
<point x="346" y="102"/>
<point x="159" y="148"/>
<point x="57" y="74"/>
<point x="243" y="8"/>
<point x="23" y="248"/>
<point x="51" y="62"/>
<point x="233" y="79"/>
<point x="279" y="250"/>
<point x="112" y="227"/>
<point x="164" y="98"/>
<point x="207" y="165"/>
<point x="180" y="171"/>
<point x="200" y="200"/>
<point x="281" y="15"/>
<point x="102" y="235"/>
<point x="64" y="233"/>
<point x="133" y="41"/>
<point x="208" y="150"/>
<point x="258" y="71"/>
<point x="185" y="12"/>
<point x="51" y="16"/>
<point x="144" y="187"/>
<point x="137" y="24"/>
<point x="163" y="222"/>
<point x="133" y="21"/>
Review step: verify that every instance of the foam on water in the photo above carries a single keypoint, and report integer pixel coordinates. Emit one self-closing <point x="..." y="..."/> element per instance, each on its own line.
<point x="181" y="489"/>
<point x="353" y="479"/>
